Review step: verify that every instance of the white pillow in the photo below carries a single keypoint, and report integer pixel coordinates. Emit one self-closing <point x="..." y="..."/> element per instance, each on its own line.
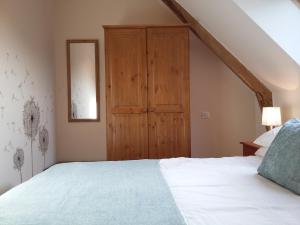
<point x="265" y="140"/>
<point x="262" y="151"/>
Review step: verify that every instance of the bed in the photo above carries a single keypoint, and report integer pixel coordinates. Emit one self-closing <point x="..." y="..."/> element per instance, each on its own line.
<point x="228" y="191"/>
<point x="216" y="191"/>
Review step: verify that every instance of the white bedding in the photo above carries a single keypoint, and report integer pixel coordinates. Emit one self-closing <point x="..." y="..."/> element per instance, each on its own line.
<point x="228" y="191"/>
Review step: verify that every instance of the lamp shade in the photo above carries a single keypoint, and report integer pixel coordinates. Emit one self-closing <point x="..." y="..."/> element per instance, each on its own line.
<point x="271" y="116"/>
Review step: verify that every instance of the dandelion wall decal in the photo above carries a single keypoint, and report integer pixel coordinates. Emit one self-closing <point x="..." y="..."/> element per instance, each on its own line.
<point x="44" y="142"/>
<point x="31" y="120"/>
<point x="21" y="117"/>
<point x="19" y="161"/>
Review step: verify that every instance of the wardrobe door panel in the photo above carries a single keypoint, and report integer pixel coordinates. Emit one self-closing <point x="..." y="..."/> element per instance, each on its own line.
<point x="168" y="69"/>
<point x="129" y="137"/>
<point x="126" y="90"/>
<point x="127" y="67"/>
<point x="167" y="135"/>
<point x="168" y="92"/>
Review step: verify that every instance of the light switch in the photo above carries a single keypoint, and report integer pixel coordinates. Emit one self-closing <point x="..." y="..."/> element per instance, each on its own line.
<point x="205" y="115"/>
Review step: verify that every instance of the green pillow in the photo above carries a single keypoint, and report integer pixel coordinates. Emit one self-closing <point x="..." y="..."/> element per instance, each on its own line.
<point x="282" y="161"/>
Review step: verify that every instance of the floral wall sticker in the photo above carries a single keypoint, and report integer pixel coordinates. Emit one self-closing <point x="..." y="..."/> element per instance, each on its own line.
<point x="31" y="121"/>
<point x="44" y="142"/>
<point x="27" y="72"/>
<point x="19" y="161"/>
<point x="26" y="102"/>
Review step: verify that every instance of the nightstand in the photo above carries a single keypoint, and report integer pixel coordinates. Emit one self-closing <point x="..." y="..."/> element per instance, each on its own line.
<point x="249" y="148"/>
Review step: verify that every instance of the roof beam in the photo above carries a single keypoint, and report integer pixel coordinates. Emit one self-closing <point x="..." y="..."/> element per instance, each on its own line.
<point x="263" y="94"/>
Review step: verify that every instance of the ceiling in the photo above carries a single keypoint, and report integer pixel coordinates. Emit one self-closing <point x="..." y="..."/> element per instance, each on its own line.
<point x="261" y="35"/>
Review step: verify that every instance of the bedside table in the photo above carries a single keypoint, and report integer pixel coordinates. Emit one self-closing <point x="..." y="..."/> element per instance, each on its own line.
<point x="249" y="148"/>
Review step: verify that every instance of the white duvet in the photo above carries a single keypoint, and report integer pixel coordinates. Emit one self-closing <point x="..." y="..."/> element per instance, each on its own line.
<point x="228" y="191"/>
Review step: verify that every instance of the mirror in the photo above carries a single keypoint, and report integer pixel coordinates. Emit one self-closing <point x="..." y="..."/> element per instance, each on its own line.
<point x="83" y="80"/>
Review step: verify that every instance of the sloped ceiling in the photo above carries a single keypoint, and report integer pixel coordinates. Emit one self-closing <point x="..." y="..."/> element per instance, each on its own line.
<point x="227" y="21"/>
<point x="280" y="19"/>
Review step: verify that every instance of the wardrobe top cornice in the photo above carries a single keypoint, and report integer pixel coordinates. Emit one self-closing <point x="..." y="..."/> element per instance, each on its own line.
<point x="143" y="26"/>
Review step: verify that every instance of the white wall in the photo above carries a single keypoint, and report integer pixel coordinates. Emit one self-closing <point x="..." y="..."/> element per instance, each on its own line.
<point x="26" y="70"/>
<point x="253" y="47"/>
<point x="78" y="19"/>
<point x="280" y="20"/>
<point x="232" y="106"/>
<point x="213" y="87"/>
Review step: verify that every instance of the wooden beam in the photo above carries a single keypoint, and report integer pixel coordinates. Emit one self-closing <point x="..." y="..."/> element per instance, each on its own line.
<point x="263" y="94"/>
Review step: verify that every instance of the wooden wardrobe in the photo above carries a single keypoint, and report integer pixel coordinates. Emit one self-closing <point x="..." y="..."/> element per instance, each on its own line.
<point x="147" y="92"/>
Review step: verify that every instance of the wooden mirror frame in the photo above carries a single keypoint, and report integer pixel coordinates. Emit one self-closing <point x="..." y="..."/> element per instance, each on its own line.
<point x="97" y="78"/>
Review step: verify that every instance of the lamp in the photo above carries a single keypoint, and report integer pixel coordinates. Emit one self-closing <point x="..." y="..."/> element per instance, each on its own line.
<point x="271" y="116"/>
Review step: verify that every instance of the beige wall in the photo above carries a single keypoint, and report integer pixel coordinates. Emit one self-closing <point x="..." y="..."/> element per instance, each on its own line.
<point x="258" y="35"/>
<point x="289" y="102"/>
<point x="213" y="87"/>
<point x="233" y="107"/>
<point x="84" y="19"/>
<point x="26" y="71"/>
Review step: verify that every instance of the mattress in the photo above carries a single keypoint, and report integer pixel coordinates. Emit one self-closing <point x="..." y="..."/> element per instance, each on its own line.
<point x="228" y="191"/>
<point x="215" y="191"/>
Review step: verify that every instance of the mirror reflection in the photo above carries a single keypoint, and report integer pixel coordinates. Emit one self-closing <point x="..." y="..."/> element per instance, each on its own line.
<point x="83" y="80"/>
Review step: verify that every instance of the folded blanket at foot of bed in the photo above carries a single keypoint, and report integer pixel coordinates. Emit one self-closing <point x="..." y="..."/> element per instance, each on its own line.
<point x="108" y="193"/>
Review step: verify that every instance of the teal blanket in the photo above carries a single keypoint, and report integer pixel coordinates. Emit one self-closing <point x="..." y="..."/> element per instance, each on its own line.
<point x="108" y="193"/>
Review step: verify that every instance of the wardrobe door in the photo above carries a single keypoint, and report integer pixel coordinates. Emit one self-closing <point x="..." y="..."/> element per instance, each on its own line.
<point x="126" y="90"/>
<point x="168" y="92"/>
